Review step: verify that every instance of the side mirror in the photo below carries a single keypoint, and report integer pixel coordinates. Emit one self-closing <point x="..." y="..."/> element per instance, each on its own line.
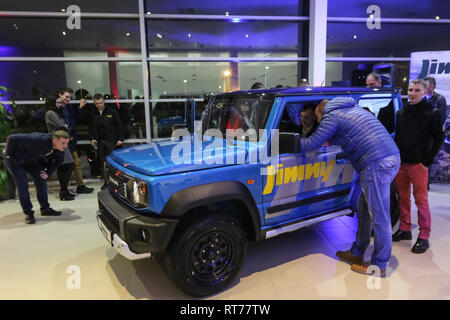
<point x="289" y="142"/>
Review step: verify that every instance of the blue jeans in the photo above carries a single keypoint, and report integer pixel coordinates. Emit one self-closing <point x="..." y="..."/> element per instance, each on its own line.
<point x="19" y="175"/>
<point x="374" y="210"/>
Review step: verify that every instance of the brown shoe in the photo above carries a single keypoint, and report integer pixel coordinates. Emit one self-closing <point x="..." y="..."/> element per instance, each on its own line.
<point x="364" y="269"/>
<point x="348" y="256"/>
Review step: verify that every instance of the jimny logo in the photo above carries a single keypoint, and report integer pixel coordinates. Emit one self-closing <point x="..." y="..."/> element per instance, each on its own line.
<point x="433" y="66"/>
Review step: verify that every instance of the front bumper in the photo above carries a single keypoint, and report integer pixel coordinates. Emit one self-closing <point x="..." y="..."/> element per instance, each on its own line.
<point x="133" y="235"/>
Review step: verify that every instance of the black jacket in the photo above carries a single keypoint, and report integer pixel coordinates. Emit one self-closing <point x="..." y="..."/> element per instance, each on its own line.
<point x="439" y="102"/>
<point x="386" y="116"/>
<point x="34" y="148"/>
<point x="107" y="127"/>
<point x="418" y="133"/>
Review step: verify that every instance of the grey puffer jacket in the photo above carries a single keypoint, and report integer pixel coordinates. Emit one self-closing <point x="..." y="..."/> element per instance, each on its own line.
<point x="362" y="137"/>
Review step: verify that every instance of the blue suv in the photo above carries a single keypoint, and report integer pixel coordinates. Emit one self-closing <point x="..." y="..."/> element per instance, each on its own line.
<point x="194" y="201"/>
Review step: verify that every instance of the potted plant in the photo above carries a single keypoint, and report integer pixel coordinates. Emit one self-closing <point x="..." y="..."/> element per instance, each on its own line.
<point x="7" y="186"/>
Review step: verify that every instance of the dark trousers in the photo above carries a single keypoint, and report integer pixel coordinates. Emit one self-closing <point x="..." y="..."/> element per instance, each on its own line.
<point x="19" y="175"/>
<point x="64" y="172"/>
<point x="104" y="149"/>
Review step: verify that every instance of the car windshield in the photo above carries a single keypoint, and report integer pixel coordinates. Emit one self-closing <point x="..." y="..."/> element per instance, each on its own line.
<point x="238" y="111"/>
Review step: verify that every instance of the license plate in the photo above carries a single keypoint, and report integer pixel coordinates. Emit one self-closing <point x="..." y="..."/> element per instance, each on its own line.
<point x="104" y="230"/>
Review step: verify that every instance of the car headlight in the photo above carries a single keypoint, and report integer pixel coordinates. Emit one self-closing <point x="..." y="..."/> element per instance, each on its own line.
<point x="137" y="193"/>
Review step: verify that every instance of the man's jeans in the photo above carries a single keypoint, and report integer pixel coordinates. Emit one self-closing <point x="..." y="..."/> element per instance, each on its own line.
<point x="374" y="210"/>
<point x="19" y="175"/>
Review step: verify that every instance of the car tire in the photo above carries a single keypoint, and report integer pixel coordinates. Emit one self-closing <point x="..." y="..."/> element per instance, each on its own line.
<point x="206" y="255"/>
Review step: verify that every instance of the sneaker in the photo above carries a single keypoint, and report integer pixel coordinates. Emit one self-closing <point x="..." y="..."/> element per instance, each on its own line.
<point x="65" y="196"/>
<point x="401" y="235"/>
<point x="420" y="246"/>
<point x="50" y="212"/>
<point x="29" y="219"/>
<point x="348" y="256"/>
<point x="84" y="189"/>
<point x="364" y="269"/>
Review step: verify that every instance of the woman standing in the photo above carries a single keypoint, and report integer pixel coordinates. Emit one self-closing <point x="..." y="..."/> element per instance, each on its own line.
<point x="54" y="119"/>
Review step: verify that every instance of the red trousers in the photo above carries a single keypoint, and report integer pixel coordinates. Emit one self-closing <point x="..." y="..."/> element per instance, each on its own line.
<point x="417" y="175"/>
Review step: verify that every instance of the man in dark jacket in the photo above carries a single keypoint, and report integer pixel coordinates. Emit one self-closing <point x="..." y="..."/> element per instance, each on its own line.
<point x="38" y="154"/>
<point x="419" y="136"/>
<point x="72" y="114"/>
<point x="106" y="131"/>
<point x="386" y="115"/>
<point x="374" y="155"/>
<point x="438" y="101"/>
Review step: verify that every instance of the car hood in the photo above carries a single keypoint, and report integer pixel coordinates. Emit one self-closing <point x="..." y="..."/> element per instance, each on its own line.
<point x="156" y="158"/>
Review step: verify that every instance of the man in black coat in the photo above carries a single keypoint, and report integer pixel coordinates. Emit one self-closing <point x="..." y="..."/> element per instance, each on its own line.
<point x="36" y="154"/>
<point x="419" y="136"/>
<point x="106" y="130"/>
<point x="438" y="101"/>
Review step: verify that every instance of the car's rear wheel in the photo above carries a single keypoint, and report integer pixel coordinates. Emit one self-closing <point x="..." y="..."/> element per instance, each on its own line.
<point x="206" y="254"/>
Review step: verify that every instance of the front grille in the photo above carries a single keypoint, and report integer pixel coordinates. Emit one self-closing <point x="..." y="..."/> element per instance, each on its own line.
<point x="110" y="218"/>
<point x="117" y="181"/>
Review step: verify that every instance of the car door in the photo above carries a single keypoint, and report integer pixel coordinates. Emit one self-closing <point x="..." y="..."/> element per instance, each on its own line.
<point x="303" y="184"/>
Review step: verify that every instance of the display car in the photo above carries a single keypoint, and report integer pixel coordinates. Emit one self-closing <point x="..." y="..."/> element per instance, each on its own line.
<point x="194" y="201"/>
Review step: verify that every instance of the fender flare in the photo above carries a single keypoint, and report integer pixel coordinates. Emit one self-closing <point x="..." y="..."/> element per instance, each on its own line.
<point x="184" y="200"/>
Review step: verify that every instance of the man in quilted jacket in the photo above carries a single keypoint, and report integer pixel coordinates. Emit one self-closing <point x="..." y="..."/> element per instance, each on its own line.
<point x="374" y="155"/>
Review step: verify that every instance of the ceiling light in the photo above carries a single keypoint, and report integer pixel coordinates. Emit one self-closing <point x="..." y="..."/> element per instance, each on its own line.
<point x="437" y="17"/>
<point x="354" y="36"/>
<point x="227" y="13"/>
<point x="185" y="81"/>
<point x="63" y="10"/>
<point x="189" y="35"/>
<point x="64" y="33"/>
<point x="159" y="35"/>
<point x="79" y="81"/>
<point x="128" y="34"/>
<point x="149" y="12"/>
<point x="226" y="73"/>
<point x="267" y="68"/>
<point x="246" y="35"/>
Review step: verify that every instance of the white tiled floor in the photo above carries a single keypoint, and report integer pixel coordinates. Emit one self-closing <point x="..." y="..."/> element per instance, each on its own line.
<point x="300" y="265"/>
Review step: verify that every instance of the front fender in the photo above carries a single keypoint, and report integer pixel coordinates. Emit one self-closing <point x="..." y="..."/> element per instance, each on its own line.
<point x="184" y="200"/>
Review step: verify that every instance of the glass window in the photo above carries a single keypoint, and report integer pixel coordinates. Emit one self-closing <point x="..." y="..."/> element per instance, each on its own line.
<point x="271" y="74"/>
<point x="238" y="112"/>
<point x="392" y="40"/>
<point x="220" y="35"/>
<point x="390" y="9"/>
<point x="345" y="74"/>
<point x="251" y="7"/>
<point x="111" y="6"/>
<point x="39" y="37"/>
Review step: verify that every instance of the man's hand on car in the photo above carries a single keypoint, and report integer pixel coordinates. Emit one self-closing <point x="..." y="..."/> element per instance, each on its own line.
<point x="119" y="143"/>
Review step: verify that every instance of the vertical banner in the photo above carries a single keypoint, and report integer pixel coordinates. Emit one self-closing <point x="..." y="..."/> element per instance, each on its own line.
<point x="435" y="64"/>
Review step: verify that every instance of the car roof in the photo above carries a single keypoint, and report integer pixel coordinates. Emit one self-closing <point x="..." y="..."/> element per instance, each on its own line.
<point x="318" y="90"/>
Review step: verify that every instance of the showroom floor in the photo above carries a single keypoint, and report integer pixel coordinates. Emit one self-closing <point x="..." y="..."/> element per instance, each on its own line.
<point x="37" y="261"/>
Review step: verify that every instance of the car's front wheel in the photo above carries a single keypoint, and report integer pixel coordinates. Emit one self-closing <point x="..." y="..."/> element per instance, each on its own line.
<point x="206" y="254"/>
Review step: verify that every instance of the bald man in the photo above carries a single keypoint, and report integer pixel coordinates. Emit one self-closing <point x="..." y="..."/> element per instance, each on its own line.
<point x="375" y="156"/>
